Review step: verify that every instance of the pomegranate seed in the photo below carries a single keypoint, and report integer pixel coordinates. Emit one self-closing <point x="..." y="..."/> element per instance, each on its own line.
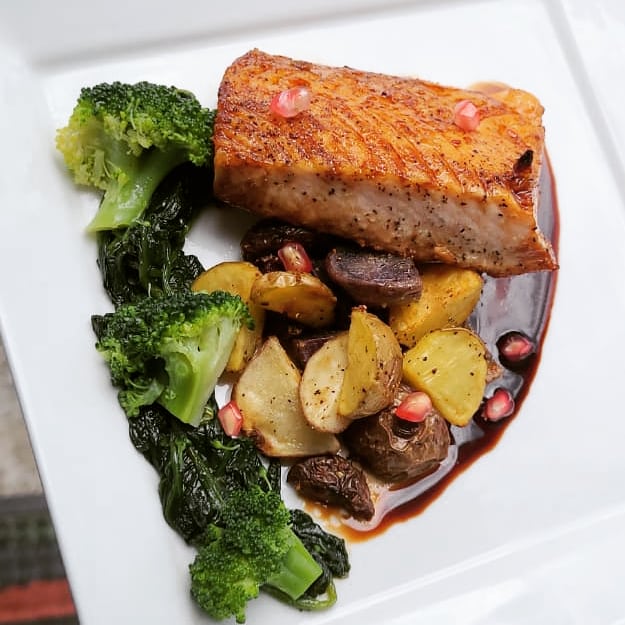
<point x="294" y="257"/>
<point x="515" y="348"/>
<point x="499" y="406"/>
<point x="466" y="115"/>
<point x="415" y="407"/>
<point x="230" y="418"/>
<point x="290" y="102"/>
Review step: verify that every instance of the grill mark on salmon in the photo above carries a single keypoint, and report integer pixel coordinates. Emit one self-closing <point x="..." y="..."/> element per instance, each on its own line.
<point x="377" y="159"/>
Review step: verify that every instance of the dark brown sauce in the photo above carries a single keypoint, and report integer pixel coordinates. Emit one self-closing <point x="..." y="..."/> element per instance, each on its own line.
<point x="521" y="303"/>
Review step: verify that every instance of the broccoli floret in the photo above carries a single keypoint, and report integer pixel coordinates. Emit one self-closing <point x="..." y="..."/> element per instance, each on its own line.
<point x="125" y="138"/>
<point x="170" y="349"/>
<point x="252" y="547"/>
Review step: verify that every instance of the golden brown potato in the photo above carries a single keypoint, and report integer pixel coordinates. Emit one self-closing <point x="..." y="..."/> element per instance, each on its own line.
<point x="450" y="366"/>
<point x="300" y="296"/>
<point x="267" y="394"/>
<point x="321" y="383"/>
<point x="448" y="296"/>
<point x="236" y="277"/>
<point x="374" y="364"/>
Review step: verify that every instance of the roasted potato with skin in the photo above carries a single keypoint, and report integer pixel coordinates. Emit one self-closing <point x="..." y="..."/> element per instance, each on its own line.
<point x="450" y="366"/>
<point x="267" y="394"/>
<point x="236" y="277"/>
<point x="300" y="296"/>
<point x="448" y="296"/>
<point x="321" y="384"/>
<point x="374" y="366"/>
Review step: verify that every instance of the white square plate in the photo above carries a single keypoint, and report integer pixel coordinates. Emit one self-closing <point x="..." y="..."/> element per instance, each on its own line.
<point x="596" y="29"/>
<point x="532" y="532"/>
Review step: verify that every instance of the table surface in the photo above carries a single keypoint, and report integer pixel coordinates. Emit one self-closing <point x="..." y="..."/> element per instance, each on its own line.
<point x="18" y="471"/>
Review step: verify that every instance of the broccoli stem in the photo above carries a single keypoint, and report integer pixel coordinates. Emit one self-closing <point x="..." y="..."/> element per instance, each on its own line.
<point x="126" y="198"/>
<point x="193" y="371"/>
<point x="306" y="602"/>
<point x="299" y="569"/>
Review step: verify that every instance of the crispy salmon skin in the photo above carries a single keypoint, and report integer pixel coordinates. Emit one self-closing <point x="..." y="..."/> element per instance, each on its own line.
<point x="379" y="160"/>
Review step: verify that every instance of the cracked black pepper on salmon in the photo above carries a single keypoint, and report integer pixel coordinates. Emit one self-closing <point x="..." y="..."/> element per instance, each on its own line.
<point x="379" y="160"/>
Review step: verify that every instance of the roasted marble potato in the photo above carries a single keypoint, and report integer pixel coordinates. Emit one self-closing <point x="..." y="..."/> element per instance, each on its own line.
<point x="450" y="366"/>
<point x="267" y="394"/>
<point x="374" y="366"/>
<point x="302" y="297"/>
<point x="236" y="277"/>
<point x="321" y="384"/>
<point x="448" y="296"/>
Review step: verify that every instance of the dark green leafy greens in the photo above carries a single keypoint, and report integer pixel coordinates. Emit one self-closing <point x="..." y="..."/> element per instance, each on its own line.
<point x="147" y="257"/>
<point x="203" y="474"/>
<point x="198" y="467"/>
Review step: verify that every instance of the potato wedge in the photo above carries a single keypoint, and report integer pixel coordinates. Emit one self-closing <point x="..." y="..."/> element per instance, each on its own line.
<point x="267" y="394"/>
<point x="300" y="296"/>
<point x="236" y="277"/>
<point x="321" y="383"/>
<point x="448" y="296"/>
<point x="374" y="366"/>
<point x="450" y="366"/>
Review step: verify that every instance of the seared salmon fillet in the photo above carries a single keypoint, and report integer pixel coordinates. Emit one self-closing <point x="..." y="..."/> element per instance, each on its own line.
<point x="379" y="160"/>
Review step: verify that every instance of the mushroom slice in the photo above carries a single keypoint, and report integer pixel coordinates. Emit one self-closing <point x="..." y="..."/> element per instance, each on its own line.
<point x="335" y="481"/>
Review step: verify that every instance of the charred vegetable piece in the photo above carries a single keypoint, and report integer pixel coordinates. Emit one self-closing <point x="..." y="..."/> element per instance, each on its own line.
<point x="261" y="242"/>
<point x="301" y="348"/>
<point x="396" y="450"/>
<point x="374" y="278"/>
<point x="335" y="481"/>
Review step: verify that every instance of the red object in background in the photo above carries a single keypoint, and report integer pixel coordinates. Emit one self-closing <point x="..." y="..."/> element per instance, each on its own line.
<point x="36" y="601"/>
